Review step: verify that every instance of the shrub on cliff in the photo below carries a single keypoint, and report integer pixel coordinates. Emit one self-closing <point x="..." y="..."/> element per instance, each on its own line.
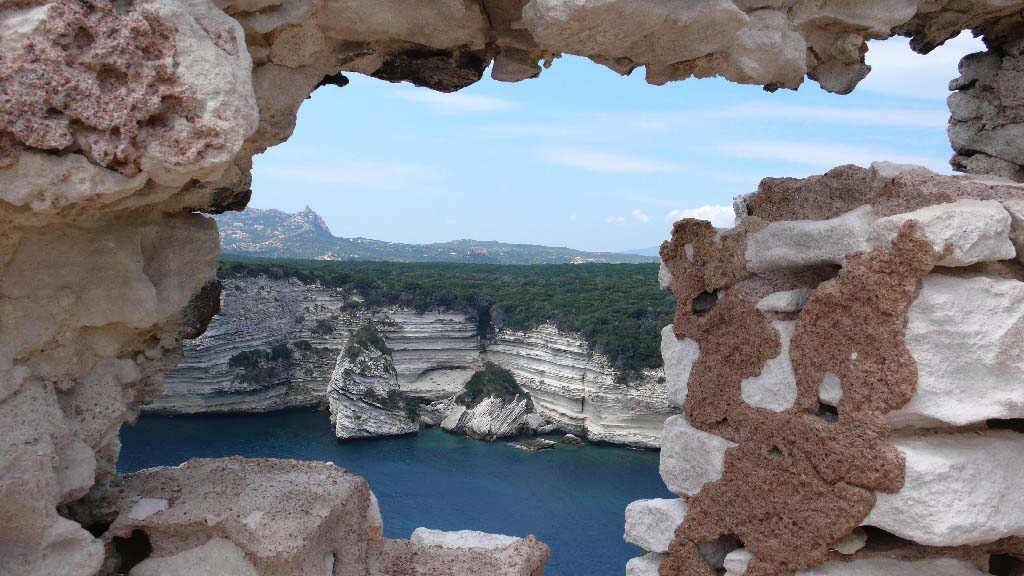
<point x="366" y="337"/>
<point x="493" y="380"/>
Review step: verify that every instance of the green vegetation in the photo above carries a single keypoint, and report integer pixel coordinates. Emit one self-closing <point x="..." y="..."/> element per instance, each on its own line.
<point x="262" y="366"/>
<point x="364" y="338"/>
<point x="617" y="308"/>
<point x="493" y="380"/>
<point x="395" y="399"/>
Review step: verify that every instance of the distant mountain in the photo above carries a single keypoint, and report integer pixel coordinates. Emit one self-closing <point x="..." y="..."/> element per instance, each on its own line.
<point x="654" y="252"/>
<point x="277" y="234"/>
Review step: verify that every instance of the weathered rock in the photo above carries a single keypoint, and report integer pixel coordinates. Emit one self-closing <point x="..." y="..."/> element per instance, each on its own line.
<point x="690" y="458"/>
<point x="364" y="396"/>
<point x="646" y="565"/>
<point x="322" y="523"/>
<point x="786" y="301"/>
<point x="217" y="556"/>
<point x="987" y="116"/>
<point x="570" y="439"/>
<point x="459" y="554"/>
<point x="965" y="335"/>
<point x="881" y="566"/>
<point x="737" y="561"/>
<point x="959" y="489"/>
<point x="679" y="356"/>
<point x="462" y="539"/>
<point x="803" y="243"/>
<point x="852" y="543"/>
<point x="651" y="524"/>
<point x="974" y="230"/>
<point x="775" y="387"/>
<point x="1016" y="210"/>
<point x="491" y="419"/>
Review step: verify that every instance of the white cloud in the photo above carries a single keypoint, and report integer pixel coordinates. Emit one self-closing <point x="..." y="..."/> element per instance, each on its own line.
<point x="605" y="162"/>
<point x="719" y="216"/>
<point x="615" y="220"/>
<point x="640" y="216"/>
<point x="456" y="102"/>
<point x="899" y="71"/>
<point x="919" y="117"/>
<point x="821" y="154"/>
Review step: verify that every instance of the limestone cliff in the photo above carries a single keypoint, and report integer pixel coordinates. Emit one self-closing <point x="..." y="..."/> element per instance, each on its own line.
<point x="433" y="354"/>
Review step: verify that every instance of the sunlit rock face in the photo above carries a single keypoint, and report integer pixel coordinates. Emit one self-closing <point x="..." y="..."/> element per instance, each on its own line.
<point x="122" y="122"/>
<point x="852" y="396"/>
<point x="433" y="355"/>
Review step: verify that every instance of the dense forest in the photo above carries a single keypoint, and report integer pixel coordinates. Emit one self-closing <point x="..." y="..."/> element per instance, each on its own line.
<point x="617" y="308"/>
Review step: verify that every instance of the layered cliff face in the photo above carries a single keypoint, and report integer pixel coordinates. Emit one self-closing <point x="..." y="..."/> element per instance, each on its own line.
<point x="433" y="354"/>
<point x="852" y="388"/>
<point x="579" y="391"/>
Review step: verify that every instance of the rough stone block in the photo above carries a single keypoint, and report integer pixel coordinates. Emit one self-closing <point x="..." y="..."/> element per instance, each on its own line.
<point x="976" y="230"/>
<point x="287" y="517"/>
<point x="967" y="337"/>
<point x="218" y="556"/>
<point x="690" y="458"/>
<point x="788" y="301"/>
<point x="679" y="356"/>
<point x="960" y="489"/>
<point x="775" y="387"/>
<point x="651" y="524"/>
<point x="796" y="244"/>
<point x="646" y="565"/>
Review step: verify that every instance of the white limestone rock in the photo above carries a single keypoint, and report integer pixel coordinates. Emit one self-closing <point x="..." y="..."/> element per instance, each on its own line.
<point x="645" y="31"/>
<point x="960" y="489"/>
<point x="217" y="556"/>
<point x="977" y="230"/>
<point x="690" y="458"/>
<point x="737" y="561"/>
<point x="852" y="542"/>
<point x="664" y="277"/>
<point x="46" y="182"/>
<point x="830" y="391"/>
<point x="800" y="243"/>
<point x="775" y="387"/>
<point x="646" y="565"/>
<point x="374" y="521"/>
<point x="881" y="566"/>
<point x="787" y="301"/>
<point x="679" y="357"/>
<point x="1016" y="211"/>
<point x="967" y="337"/>
<point x="651" y="524"/>
<point x="492" y="418"/>
<point x="462" y="539"/>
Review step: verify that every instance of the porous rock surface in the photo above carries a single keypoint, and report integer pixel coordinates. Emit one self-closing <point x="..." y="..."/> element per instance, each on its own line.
<point x="122" y="122"/>
<point x="857" y="366"/>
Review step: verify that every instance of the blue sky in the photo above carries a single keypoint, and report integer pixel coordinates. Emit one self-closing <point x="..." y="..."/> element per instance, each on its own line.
<point x="585" y="158"/>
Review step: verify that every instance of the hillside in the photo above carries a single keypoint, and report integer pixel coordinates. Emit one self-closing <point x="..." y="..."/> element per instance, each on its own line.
<point x="617" y="308"/>
<point x="305" y="235"/>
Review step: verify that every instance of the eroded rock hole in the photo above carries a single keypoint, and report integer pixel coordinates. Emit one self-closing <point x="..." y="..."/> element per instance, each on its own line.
<point x="828" y="413"/>
<point x="879" y="540"/>
<point x="1014" y="424"/>
<point x="1005" y="565"/>
<point x="704" y="302"/>
<point x="132" y="550"/>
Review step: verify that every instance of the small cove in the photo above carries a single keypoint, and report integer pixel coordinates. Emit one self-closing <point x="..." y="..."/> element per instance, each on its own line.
<point x="571" y="497"/>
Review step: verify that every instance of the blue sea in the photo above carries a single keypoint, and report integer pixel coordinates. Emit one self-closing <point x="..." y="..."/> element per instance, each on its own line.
<point x="570" y="497"/>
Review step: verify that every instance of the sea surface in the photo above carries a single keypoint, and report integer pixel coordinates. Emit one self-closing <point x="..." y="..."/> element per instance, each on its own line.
<point x="570" y="497"/>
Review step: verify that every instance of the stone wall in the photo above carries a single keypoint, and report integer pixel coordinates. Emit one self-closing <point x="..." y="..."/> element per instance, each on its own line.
<point x="854" y="396"/>
<point x="121" y="122"/>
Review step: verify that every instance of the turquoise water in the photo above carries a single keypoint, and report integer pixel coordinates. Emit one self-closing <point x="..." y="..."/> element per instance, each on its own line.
<point x="571" y="497"/>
